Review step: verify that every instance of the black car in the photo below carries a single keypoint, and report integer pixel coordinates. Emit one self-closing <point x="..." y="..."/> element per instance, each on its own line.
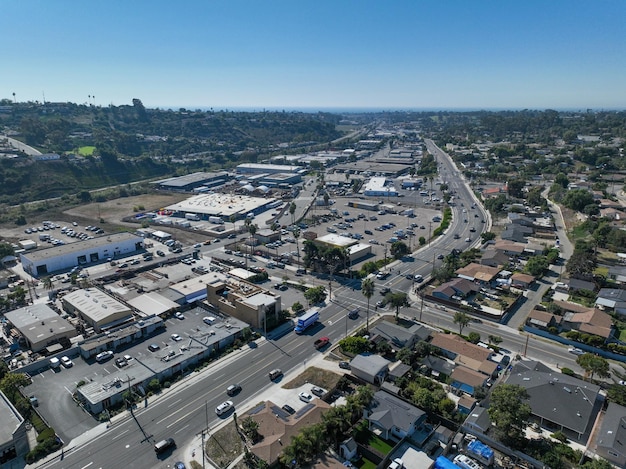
<point x="353" y="314"/>
<point x="385" y="290"/>
<point x="344" y="365"/>
<point x="233" y="389"/>
<point x="290" y="410"/>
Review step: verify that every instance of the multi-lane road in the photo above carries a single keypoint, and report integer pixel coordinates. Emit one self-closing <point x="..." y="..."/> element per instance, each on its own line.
<point x="187" y="409"/>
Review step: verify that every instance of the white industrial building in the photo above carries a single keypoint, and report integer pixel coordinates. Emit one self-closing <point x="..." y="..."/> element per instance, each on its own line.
<point x="222" y="205"/>
<point x="356" y="250"/>
<point x="40" y="326"/>
<point x="58" y="258"/>
<point x="378" y="187"/>
<point x="96" y="308"/>
<point x="258" y="168"/>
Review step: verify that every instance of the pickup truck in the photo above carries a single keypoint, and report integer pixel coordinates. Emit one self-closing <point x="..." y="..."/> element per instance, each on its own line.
<point x="321" y="342"/>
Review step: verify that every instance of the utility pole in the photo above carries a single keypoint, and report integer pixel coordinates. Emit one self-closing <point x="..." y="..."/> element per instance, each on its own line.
<point x="422" y="305"/>
<point x="430" y="223"/>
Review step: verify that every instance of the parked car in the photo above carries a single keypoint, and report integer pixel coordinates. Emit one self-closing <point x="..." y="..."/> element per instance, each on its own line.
<point x="121" y="362"/>
<point x="179" y="315"/>
<point x="344" y="365"/>
<point x="305" y="397"/>
<point x="319" y="392"/>
<point x="104" y="356"/>
<point x="176" y="337"/>
<point x="66" y="362"/>
<point x="154" y="347"/>
<point x="290" y="410"/>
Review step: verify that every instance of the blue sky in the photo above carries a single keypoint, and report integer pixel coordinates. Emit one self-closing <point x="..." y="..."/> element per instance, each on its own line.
<point x="318" y="54"/>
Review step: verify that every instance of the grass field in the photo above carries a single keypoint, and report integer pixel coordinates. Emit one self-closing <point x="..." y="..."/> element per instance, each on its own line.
<point x="380" y="444"/>
<point x="86" y="151"/>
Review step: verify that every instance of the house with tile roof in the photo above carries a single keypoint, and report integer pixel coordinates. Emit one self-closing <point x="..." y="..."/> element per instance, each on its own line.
<point x="591" y="321"/>
<point x="278" y="427"/>
<point x="467" y="380"/>
<point x="452" y="346"/>
<point x="543" y="319"/>
<point x="482" y="274"/>
<point x="558" y="401"/>
<point x="458" y="287"/>
<point x="520" y="280"/>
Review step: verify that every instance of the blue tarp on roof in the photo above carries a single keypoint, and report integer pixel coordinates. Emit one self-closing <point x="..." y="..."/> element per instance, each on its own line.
<point x="443" y="463"/>
<point x="482" y="450"/>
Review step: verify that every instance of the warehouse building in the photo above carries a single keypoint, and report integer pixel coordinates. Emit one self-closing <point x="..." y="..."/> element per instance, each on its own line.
<point x="96" y="308"/>
<point x="41" y="327"/>
<point x="380" y="187"/>
<point x="258" y="168"/>
<point x="191" y="182"/>
<point x="59" y="258"/>
<point x="222" y="205"/>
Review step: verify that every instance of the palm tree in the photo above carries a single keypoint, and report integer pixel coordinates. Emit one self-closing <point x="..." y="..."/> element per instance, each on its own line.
<point x="48" y="284"/>
<point x="296" y="235"/>
<point x="232" y="219"/>
<point x="292" y="211"/>
<point x="367" y="288"/>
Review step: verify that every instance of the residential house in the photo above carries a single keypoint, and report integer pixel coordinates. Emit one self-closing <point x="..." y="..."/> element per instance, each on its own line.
<point x="467" y="380"/>
<point x="393" y="418"/>
<point x="481" y="274"/>
<point x="613" y="299"/>
<point x="478" y="421"/>
<point x="617" y="273"/>
<point x="520" y="219"/>
<point x="511" y="249"/>
<point x="437" y="366"/>
<point x="398" y="336"/>
<point x="519" y="280"/>
<point x="458" y="287"/>
<point x="452" y="346"/>
<point x="576" y="284"/>
<point x="543" y="319"/>
<point x="493" y="192"/>
<point x="278" y="427"/>
<point x="466" y="404"/>
<point x="370" y="368"/>
<point x="493" y="258"/>
<point x="611" y="213"/>
<point x="516" y="233"/>
<point x="557" y="401"/>
<point x="591" y="321"/>
<point x="611" y="438"/>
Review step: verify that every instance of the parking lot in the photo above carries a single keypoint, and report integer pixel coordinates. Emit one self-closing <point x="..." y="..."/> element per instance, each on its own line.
<point x="53" y="389"/>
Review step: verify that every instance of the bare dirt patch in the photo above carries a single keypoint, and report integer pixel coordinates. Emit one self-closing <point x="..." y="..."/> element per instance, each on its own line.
<point x="224" y="446"/>
<point x="317" y="376"/>
<point x="113" y="211"/>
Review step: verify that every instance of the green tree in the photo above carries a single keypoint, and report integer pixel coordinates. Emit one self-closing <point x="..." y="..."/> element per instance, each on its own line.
<point x="515" y="188"/>
<point x="354" y="345"/>
<point x="488" y="236"/>
<point x="593" y="364"/>
<point x="397" y="300"/>
<point x="578" y="199"/>
<point x="399" y="250"/>
<point x="6" y="250"/>
<point x="562" y="180"/>
<point x="250" y="428"/>
<point x="536" y="266"/>
<point x="315" y="295"/>
<point x="367" y="289"/>
<point x="461" y="319"/>
<point x="509" y="411"/>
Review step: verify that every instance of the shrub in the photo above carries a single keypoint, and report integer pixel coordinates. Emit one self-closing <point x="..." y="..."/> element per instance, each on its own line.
<point x="44" y="435"/>
<point x="568" y="371"/>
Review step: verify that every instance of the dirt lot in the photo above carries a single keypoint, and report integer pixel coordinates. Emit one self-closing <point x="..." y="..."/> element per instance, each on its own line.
<point x="111" y="212"/>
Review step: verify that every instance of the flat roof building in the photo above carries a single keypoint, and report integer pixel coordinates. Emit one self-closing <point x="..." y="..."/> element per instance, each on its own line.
<point x="222" y="205"/>
<point x="40" y="326"/>
<point x="242" y="300"/>
<point x="258" y="168"/>
<point x="63" y="257"/>
<point x="13" y="437"/>
<point x="189" y="182"/>
<point x="378" y="187"/>
<point x="96" y="308"/>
